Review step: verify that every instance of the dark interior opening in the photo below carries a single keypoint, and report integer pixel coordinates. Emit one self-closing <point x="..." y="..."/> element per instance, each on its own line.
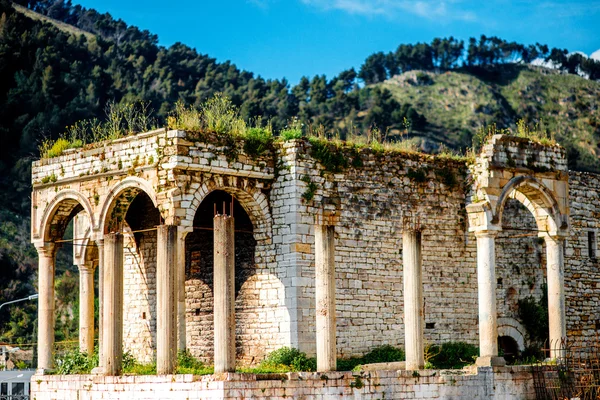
<point x="508" y="348"/>
<point x="199" y="244"/>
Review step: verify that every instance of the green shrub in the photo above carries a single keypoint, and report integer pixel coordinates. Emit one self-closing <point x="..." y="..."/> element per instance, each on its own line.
<point x="290" y="134"/>
<point x="453" y="355"/>
<point x="257" y="141"/>
<point x="184" y="118"/>
<point x="74" y="362"/>
<point x="328" y="154"/>
<point x="533" y="314"/>
<point x="289" y="357"/>
<point x="220" y="116"/>
<point x="58" y="148"/>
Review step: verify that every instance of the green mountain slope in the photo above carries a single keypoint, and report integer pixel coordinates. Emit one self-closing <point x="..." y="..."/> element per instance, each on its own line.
<point x="458" y="103"/>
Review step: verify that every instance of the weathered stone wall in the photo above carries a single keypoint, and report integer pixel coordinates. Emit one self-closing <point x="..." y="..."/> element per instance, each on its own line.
<point x="510" y="383"/>
<point x="284" y="194"/>
<point x="371" y="203"/>
<point x="582" y="272"/>
<point x="520" y="265"/>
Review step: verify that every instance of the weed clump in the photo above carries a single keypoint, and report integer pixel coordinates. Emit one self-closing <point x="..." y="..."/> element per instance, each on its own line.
<point x="288" y="359"/>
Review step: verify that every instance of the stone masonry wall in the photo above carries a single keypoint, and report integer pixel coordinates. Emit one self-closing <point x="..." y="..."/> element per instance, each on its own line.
<point x="582" y="272"/>
<point x="284" y="194"/>
<point x="509" y="383"/>
<point x="371" y="204"/>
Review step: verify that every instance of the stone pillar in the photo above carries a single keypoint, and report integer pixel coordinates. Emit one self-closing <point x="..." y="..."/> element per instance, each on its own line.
<point x="166" y="310"/>
<point x="325" y="297"/>
<point x="224" y="294"/>
<point x="100" y="245"/>
<point x="180" y="290"/>
<point x="86" y="308"/>
<point x="413" y="300"/>
<point x="486" y="290"/>
<point x="46" y="253"/>
<point x="556" y="293"/>
<point x="112" y="345"/>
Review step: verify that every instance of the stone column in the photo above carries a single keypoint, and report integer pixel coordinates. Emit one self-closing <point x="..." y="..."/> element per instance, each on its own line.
<point x="413" y="300"/>
<point x="112" y="345"/>
<point x="180" y="290"/>
<point x="46" y="253"/>
<point x="486" y="285"/>
<point x="100" y="245"/>
<point x="86" y="308"/>
<point x="224" y="294"/>
<point x="325" y="297"/>
<point x="166" y="310"/>
<point x="556" y="293"/>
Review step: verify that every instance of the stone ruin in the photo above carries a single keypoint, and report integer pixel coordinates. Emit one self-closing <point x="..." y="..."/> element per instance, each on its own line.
<point x="202" y="246"/>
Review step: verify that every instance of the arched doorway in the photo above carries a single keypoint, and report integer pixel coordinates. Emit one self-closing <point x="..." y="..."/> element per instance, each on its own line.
<point x="57" y="239"/>
<point x="199" y="247"/>
<point x="134" y="215"/>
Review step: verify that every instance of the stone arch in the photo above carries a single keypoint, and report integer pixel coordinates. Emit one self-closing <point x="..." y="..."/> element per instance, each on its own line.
<point x="511" y="327"/>
<point x="537" y="198"/>
<point x="63" y="207"/>
<point x="119" y="198"/>
<point x="251" y="198"/>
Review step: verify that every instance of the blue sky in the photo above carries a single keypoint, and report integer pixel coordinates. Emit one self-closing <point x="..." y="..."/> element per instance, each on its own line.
<point x="292" y="38"/>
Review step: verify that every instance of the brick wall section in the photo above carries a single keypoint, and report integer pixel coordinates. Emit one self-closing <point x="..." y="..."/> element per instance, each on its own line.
<point x="503" y="383"/>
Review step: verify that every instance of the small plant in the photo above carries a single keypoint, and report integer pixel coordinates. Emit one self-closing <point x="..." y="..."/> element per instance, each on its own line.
<point x="311" y="188"/>
<point x="292" y="131"/>
<point x="328" y="154"/>
<point x="257" y="141"/>
<point x="184" y="118"/>
<point x="74" y="362"/>
<point x="220" y="116"/>
<point x="121" y="119"/>
<point x="289" y="357"/>
<point x="188" y="364"/>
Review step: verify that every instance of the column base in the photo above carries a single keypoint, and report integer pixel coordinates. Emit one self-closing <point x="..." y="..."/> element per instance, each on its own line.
<point x="97" y="371"/>
<point x="489" y="361"/>
<point x="44" y="371"/>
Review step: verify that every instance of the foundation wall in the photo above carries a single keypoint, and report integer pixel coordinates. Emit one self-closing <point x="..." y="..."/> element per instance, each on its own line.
<point x="503" y="383"/>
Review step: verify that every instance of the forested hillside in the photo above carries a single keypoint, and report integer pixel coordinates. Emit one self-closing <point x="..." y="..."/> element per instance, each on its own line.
<point x="61" y="63"/>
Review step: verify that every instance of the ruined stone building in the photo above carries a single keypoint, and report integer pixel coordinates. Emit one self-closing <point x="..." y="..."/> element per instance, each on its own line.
<point x="512" y="225"/>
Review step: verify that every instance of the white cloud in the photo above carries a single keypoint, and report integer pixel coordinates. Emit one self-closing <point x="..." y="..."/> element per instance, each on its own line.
<point x="423" y="8"/>
<point x="595" y="55"/>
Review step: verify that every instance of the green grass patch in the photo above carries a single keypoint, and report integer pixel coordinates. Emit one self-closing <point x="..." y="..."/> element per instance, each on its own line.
<point x="329" y="154"/>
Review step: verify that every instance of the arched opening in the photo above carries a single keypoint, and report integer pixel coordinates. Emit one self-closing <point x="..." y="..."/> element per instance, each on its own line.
<point x="63" y="318"/>
<point x="509" y="348"/>
<point x="133" y="213"/>
<point x="530" y="260"/>
<point x="199" y="257"/>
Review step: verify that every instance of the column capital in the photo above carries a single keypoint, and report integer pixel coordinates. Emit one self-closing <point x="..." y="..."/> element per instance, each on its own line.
<point x="88" y="267"/>
<point x="552" y="238"/>
<point x="45" y="249"/>
<point x="487" y="233"/>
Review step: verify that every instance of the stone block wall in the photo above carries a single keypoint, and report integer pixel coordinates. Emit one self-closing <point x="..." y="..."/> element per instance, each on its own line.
<point x="285" y="192"/>
<point x="512" y="383"/>
<point x="582" y="272"/>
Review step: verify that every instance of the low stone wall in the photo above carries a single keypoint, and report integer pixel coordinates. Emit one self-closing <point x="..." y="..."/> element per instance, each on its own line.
<point x="483" y="383"/>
